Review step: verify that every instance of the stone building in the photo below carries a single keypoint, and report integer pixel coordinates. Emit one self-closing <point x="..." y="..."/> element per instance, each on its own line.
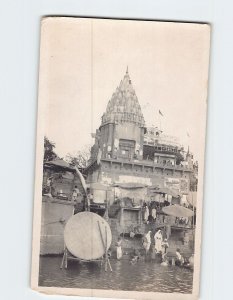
<point x="126" y="152"/>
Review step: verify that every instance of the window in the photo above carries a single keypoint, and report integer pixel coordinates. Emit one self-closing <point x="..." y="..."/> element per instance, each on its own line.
<point x="127" y="148"/>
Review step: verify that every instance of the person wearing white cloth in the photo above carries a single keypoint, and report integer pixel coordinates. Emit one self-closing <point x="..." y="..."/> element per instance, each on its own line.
<point x="118" y="248"/>
<point x="147" y="241"/>
<point x="158" y="241"/>
<point x="153" y="213"/>
<point x="146" y="214"/>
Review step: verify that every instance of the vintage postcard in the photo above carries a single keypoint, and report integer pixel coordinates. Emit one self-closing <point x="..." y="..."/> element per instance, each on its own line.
<point x="120" y="158"/>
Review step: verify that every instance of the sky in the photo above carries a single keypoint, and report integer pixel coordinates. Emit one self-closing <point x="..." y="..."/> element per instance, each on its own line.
<point x="83" y="61"/>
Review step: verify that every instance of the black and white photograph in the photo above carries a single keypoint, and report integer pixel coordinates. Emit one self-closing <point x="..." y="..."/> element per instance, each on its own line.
<point x="120" y="158"/>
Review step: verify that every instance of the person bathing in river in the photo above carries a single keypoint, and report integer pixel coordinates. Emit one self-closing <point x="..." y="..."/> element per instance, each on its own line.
<point x="131" y="232"/>
<point x="190" y="263"/>
<point x="179" y="258"/>
<point x="147" y="241"/>
<point x="135" y="257"/>
<point x="118" y="248"/>
<point x="158" y="241"/>
<point x="165" y="261"/>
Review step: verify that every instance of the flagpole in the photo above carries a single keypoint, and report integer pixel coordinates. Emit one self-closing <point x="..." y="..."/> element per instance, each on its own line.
<point x="160" y="122"/>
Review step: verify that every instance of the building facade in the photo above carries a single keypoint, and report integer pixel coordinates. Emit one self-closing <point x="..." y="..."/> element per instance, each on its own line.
<point x="126" y="152"/>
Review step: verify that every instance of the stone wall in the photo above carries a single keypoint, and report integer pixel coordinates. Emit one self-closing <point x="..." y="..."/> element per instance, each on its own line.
<point x="55" y="214"/>
<point x="115" y="172"/>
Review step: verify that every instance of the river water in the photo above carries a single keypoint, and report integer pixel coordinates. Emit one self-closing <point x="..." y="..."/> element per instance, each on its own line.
<point x="143" y="276"/>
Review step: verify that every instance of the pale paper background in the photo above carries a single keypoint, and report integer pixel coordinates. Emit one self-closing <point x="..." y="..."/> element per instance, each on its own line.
<point x="80" y="66"/>
<point x="19" y="80"/>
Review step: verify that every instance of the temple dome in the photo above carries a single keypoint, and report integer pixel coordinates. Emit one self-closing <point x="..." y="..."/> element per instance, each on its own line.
<point x="123" y="107"/>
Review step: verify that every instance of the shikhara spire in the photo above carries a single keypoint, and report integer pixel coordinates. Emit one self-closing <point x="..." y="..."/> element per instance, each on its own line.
<point x="124" y="105"/>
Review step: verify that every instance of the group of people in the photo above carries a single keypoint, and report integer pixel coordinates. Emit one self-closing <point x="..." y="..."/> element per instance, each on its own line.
<point x="153" y="211"/>
<point x="79" y="199"/>
<point x="150" y="216"/>
<point x="182" y="220"/>
<point x="184" y="262"/>
<point x="160" y="245"/>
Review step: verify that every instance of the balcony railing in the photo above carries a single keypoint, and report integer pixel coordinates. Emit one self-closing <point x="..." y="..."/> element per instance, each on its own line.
<point x="149" y="163"/>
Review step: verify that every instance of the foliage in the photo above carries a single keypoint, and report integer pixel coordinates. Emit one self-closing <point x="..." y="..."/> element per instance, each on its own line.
<point x="49" y="153"/>
<point x="80" y="158"/>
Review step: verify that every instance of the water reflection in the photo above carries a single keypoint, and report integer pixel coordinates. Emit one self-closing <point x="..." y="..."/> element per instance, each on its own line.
<point x="143" y="276"/>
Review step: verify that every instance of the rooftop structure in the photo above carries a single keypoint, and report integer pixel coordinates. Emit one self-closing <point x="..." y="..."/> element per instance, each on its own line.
<point x="123" y="107"/>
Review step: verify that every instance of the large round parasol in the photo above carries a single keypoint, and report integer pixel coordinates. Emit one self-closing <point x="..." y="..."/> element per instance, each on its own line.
<point x="163" y="190"/>
<point x="130" y="185"/>
<point x="85" y="236"/>
<point x="177" y="211"/>
<point x="99" y="186"/>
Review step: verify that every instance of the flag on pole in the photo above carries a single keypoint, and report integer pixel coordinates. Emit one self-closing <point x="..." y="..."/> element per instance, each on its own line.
<point x="83" y="182"/>
<point x="160" y="113"/>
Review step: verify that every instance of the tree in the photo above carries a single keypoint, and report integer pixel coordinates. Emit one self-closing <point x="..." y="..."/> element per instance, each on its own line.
<point x="49" y="153"/>
<point x="80" y="158"/>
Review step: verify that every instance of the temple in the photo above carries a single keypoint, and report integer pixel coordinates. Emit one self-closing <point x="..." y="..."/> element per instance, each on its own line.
<point x="127" y="152"/>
